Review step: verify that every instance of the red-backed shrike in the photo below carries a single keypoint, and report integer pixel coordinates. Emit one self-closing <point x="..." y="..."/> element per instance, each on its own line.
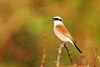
<point x="62" y="33"/>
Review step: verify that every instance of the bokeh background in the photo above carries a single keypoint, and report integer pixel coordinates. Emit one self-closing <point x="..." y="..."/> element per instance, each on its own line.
<point x="21" y="33"/>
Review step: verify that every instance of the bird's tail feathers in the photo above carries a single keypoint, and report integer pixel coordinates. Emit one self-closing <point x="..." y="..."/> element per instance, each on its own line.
<point x="74" y="43"/>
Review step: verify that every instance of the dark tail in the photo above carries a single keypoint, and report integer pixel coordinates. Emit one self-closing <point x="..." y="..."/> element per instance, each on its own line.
<point x="77" y="47"/>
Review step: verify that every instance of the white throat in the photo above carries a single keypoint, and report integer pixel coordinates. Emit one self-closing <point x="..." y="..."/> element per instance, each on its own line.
<point x="58" y="23"/>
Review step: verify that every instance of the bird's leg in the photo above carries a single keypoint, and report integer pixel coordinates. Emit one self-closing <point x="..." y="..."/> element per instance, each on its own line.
<point x="63" y="44"/>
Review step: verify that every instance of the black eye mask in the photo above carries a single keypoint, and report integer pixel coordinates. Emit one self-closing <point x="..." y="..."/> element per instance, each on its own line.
<point x="57" y="19"/>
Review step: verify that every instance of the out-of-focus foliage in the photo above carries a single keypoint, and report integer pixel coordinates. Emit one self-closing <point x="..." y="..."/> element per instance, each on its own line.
<point x="21" y="34"/>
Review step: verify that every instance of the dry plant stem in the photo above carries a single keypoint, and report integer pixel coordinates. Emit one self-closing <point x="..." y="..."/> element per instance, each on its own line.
<point x="59" y="55"/>
<point x="81" y="60"/>
<point x="83" y="57"/>
<point x="68" y="51"/>
<point x="96" y="55"/>
<point x="98" y="58"/>
<point x="44" y="50"/>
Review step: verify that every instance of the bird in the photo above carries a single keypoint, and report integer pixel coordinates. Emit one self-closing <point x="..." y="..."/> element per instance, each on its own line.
<point x="62" y="32"/>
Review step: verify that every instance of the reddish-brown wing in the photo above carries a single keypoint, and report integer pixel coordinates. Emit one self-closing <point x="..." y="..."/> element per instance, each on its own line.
<point x="64" y="31"/>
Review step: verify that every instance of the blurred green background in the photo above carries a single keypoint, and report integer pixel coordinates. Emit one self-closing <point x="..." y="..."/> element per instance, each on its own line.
<point x="21" y="33"/>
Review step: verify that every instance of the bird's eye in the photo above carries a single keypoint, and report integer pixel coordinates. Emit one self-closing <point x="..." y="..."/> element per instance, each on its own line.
<point x="60" y="19"/>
